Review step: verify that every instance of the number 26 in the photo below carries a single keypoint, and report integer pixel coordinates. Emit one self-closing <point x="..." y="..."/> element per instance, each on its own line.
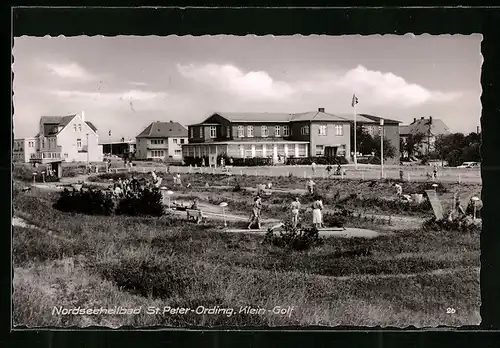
<point x="450" y="310"/>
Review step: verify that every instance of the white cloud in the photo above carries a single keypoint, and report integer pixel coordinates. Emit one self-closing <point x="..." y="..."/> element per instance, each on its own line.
<point x="69" y="71"/>
<point x="385" y="88"/>
<point x="228" y="78"/>
<point x="374" y="87"/>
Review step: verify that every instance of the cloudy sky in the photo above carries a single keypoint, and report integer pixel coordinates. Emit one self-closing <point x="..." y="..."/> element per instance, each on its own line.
<point x="124" y="83"/>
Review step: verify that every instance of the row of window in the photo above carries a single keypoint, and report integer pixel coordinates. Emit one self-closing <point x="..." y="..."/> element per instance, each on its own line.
<point x="264" y="131"/>
<point x="161" y="153"/>
<point x="246" y="150"/>
<point x="77" y="126"/>
<point x="162" y="141"/>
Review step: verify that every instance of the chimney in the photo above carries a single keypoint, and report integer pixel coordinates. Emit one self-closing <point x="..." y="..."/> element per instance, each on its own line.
<point x="321" y="109"/>
<point x="83" y="116"/>
<point x="430" y="119"/>
<point x="421" y="118"/>
<point x="414" y="120"/>
<point x="171" y="121"/>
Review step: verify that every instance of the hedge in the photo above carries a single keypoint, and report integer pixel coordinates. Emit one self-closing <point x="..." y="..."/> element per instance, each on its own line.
<point x="318" y="160"/>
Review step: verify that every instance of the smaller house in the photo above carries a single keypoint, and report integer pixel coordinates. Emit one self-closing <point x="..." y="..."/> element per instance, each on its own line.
<point x="161" y="141"/>
<point x="118" y="148"/>
<point x="428" y="129"/>
<point x="24" y="149"/>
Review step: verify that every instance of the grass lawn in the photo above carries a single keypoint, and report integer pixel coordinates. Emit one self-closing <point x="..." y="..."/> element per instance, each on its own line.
<point x="408" y="278"/>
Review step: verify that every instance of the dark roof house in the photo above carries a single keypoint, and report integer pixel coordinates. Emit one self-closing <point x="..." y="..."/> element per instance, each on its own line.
<point x="427" y="126"/>
<point x="52" y="124"/>
<point x="164" y="130"/>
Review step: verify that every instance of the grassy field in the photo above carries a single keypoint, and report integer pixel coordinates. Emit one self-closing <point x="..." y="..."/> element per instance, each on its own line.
<point x="406" y="278"/>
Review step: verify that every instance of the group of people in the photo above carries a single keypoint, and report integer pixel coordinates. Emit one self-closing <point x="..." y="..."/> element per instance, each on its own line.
<point x="295" y="207"/>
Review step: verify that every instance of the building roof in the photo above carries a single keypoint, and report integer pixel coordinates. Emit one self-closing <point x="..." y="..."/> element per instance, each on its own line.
<point x="425" y="126"/>
<point x="164" y="130"/>
<point x="366" y="118"/>
<point x="262" y="117"/>
<point x="51" y="121"/>
<point x="311" y="116"/>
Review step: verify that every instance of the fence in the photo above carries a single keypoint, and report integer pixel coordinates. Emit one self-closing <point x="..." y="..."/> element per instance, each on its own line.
<point x="449" y="175"/>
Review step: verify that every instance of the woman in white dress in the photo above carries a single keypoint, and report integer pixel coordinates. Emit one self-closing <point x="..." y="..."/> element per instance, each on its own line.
<point x="317" y="215"/>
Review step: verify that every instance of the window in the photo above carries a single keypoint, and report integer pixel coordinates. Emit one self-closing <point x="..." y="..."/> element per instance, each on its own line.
<point x="228" y="131"/>
<point x="339" y="130"/>
<point x="174" y="141"/>
<point x="65" y="155"/>
<point x="302" y="150"/>
<point x="320" y="150"/>
<point x="250" y="131"/>
<point x="259" y="150"/>
<point x="241" y="131"/>
<point x="178" y="152"/>
<point x="322" y="129"/>
<point x="157" y="153"/>
<point x="192" y="132"/>
<point x="264" y="131"/>
<point x="74" y="127"/>
<point x="341" y="150"/>
<point x="277" y="131"/>
<point x="213" y="131"/>
<point x="286" y="131"/>
<point x="182" y="141"/>
<point x="201" y="132"/>
<point x="79" y="127"/>
<point x="79" y="143"/>
<point x="157" y="141"/>
<point x="304" y="130"/>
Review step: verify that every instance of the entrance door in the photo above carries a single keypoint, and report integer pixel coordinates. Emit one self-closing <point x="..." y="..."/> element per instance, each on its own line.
<point x="330" y="151"/>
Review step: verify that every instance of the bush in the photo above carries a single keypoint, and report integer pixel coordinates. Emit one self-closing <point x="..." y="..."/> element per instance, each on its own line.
<point x="317" y="160"/>
<point x="464" y="224"/>
<point x="147" y="202"/>
<point x="296" y="238"/>
<point x="92" y="202"/>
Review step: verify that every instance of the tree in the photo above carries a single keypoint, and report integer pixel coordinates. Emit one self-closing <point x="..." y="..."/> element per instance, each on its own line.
<point x="410" y="146"/>
<point x="457" y="148"/>
<point x="389" y="149"/>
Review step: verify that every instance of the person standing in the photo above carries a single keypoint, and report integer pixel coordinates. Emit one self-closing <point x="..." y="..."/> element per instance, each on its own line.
<point x="310" y="186"/>
<point x="435" y="172"/>
<point x="399" y="189"/>
<point x="256" y="209"/>
<point x="313" y="165"/>
<point x="317" y="215"/>
<point x="295" y="207"/>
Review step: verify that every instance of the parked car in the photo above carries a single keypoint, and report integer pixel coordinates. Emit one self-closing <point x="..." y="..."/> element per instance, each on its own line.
<point x="470" y="165"/>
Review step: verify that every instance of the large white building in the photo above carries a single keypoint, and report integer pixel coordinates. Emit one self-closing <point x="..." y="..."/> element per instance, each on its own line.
<point x="68" y="138"/>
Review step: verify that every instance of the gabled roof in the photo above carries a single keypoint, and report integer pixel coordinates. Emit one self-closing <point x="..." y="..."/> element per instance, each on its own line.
<point x="262" y="117"/>
<point x="254" y="116"/>
<point x="50" y="122"/>
<point x="319" y="116"/>
<point x="366" y="118"/>
<point x="425" y="126"/>
<point x="164" y="130"/>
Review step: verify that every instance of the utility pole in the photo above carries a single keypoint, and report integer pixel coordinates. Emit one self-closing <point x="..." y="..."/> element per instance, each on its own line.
<point x="88" y="149"/>
<point x="381" y="148"/>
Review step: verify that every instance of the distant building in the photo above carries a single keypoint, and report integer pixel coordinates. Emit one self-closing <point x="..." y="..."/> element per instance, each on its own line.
<point x="371" y="124"/>
<point x="118" y="148"/>
<point x="429" y="128"/>
<point x="247" y="135"/>
<point x="24" y="149"/>
<point x="67" y="138"/>
<point x="161" y="141"/>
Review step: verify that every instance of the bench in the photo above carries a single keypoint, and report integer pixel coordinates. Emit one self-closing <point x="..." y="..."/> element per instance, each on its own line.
<point x="195" y="215"/>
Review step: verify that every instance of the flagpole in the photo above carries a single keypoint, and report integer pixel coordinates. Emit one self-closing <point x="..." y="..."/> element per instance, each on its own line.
<point x="355" y="141"/>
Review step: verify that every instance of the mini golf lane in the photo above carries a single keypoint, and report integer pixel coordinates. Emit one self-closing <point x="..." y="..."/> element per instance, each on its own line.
<point x="348" y="232"/>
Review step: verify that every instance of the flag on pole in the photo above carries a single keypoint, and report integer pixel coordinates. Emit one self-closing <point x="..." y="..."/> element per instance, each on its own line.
<point x="354" y="100"/>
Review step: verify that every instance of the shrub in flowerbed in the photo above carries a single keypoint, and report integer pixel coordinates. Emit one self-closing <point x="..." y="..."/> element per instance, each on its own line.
<point x="146" y="202"/>
<point x="317" y="160"/>
<point x="464" y="224"/>
<point x="294" y="237"/>
<point x="73" y="171"/>
<point x="92" y="202"/>
<point x="394" y="206"/>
